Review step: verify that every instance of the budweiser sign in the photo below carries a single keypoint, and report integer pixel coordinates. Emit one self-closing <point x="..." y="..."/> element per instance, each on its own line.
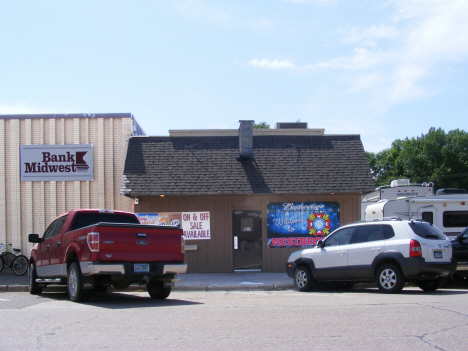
<point x="56" y="162"/>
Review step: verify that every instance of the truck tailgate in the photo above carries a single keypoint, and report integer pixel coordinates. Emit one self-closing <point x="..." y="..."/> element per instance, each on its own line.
<point x="139" y="243"/>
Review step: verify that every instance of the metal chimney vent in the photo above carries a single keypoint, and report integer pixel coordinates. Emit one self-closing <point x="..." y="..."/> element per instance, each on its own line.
<point x="287" y="125"/>
<point x="246" y="139"/>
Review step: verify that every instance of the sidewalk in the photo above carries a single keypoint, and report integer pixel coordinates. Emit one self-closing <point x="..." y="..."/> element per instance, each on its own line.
<point x="9" y="282"/>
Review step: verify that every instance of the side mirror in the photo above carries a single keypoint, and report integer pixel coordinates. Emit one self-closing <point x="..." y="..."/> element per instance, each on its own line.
<point x="34" y="238"/>
<point x="321" y="244"/>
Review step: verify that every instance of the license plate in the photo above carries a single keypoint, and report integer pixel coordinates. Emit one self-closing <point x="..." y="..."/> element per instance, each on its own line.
<point x="140" y="267"/>
<point x="438" y="254"/>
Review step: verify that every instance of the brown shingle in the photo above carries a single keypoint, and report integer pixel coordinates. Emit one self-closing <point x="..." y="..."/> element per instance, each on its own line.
<point x="281" y="164"/>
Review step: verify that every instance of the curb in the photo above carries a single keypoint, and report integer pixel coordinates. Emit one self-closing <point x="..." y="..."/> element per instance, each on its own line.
<point x="195" y="287"/>
<point x="13" y="288"/>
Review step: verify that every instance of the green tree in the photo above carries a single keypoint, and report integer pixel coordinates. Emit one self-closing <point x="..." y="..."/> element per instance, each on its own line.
<point x="261" y="125"/>
<point x="438" y="157"/>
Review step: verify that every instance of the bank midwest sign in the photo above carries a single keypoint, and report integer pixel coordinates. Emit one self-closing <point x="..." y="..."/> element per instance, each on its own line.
<point x="56" y="162"/>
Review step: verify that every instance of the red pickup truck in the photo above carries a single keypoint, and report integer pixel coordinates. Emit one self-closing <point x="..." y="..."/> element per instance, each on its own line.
<point x="90" y="250"/>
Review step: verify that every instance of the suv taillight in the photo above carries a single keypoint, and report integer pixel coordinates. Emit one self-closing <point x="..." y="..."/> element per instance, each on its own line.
<point x="93" y="241"/>
<point x="415" y="249"/>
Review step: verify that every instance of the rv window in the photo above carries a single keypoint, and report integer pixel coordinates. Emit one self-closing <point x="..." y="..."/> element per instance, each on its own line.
<point x="428" y="217"/>
<point x="427" y="231"/>
<point x="455" y="219"/>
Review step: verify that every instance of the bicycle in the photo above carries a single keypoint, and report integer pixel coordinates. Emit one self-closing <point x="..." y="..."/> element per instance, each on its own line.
<point x="15" y="261"/>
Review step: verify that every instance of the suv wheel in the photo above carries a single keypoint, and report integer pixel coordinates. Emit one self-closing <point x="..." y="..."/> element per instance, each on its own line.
<point x="389" y="279"/>
<point x="303" y="279"/>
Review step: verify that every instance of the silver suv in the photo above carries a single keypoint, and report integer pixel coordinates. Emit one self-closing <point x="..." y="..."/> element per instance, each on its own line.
<point x="389" y="252"/>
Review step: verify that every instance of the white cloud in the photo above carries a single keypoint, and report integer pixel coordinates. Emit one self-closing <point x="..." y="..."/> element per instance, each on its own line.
<point x="424" y="35"/>
<point x="370" y="35"/>
<point x="267" y="64"/>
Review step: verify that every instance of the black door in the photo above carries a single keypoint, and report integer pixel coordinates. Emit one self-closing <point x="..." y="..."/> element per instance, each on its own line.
<point x="247" y="239"/>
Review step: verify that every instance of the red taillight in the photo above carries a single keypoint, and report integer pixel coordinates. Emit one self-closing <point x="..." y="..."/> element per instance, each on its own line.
<point x="415" y="249"/>
<point x="93" y="241"/>
<point x="182" y="244"/>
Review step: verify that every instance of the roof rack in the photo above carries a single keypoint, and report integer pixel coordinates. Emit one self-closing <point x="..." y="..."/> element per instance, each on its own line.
<point x="393" y="218"/>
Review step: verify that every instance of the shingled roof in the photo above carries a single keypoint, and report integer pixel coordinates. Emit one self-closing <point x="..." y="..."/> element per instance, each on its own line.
<point x="281" y="164"/>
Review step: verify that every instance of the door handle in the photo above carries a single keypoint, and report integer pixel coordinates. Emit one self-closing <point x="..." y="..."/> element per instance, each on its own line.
<point x="377" y="249"/>
<point x="58" y="243"/>
<point x="341" y="252"/>
<point x="236" y="243"/>
<point x="47" y="246"/>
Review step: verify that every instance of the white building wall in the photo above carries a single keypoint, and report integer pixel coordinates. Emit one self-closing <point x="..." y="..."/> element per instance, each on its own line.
<point x="28" y="207"/>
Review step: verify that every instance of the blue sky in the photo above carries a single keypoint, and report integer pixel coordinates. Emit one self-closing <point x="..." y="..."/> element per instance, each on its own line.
<point x="383" y="69"/>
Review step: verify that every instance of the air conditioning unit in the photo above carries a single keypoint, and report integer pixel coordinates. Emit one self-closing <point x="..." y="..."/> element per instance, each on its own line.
<point x="399" y="182"/>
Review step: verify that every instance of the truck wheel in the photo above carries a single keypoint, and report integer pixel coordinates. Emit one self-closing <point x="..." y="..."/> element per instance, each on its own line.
<point x="157" y="291"/>
<point x="431" y="285"/>
<point x="75" y="291"/>
<point x="389" y="279"/>
<point x="34" y="288"/>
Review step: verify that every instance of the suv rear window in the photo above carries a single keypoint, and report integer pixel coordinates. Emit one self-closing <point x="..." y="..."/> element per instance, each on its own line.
<point x="86" y="219"/>
<point x="427" y="231"/>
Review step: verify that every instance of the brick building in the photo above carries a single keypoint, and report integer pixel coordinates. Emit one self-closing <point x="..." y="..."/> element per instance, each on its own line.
<point x="30" y="198"/>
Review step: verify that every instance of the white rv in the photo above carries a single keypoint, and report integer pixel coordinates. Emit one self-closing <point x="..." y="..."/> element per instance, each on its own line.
<point x="448" y="212"/>
<point x="397" y="188"/>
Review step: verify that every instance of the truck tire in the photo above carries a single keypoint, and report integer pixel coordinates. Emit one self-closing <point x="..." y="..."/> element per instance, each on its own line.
<point x="74" y="288"/>
<point x="157" y="290"/>
<point x="34" y="288"/>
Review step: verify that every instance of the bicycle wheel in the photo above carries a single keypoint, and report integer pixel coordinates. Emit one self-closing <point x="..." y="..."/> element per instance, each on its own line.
<point x="20" y="265"/>
<point x="1" y="263"/>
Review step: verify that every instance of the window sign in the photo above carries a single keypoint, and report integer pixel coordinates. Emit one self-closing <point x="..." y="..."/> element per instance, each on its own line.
<point x="196" y="225"/>
<point x="300" y="224"/>
<point x="163" y="218"/>
<point x="56" y="162"/>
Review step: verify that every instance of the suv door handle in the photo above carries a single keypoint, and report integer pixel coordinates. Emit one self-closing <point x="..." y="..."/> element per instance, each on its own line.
<point x="341" y="252"/>
<point x="377" y="249"/>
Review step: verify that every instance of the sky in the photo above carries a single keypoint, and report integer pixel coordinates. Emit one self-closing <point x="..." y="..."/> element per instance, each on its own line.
<point x="383" y="69"/>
